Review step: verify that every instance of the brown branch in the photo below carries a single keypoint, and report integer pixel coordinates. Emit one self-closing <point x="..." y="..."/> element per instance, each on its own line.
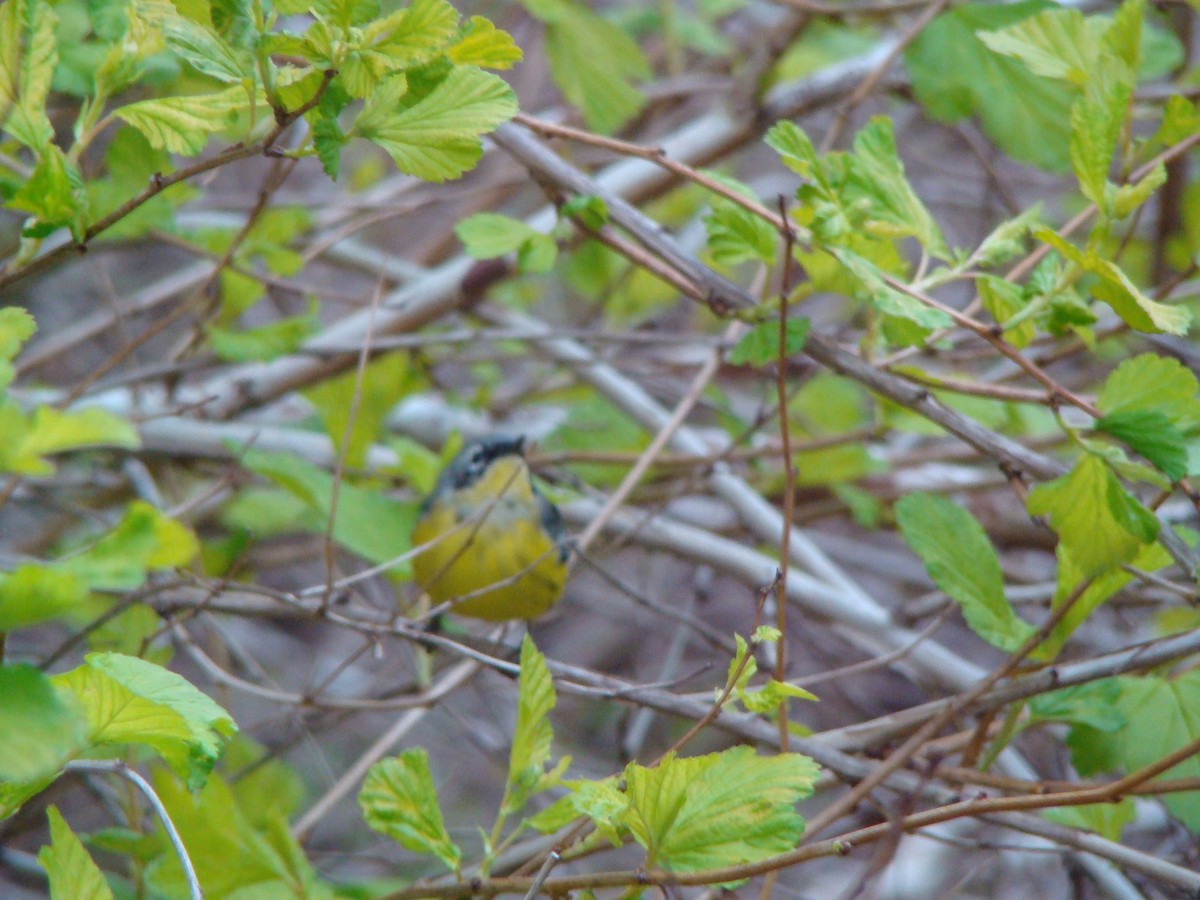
<point x="657" y="156"/>
<point x="958" y="705"/>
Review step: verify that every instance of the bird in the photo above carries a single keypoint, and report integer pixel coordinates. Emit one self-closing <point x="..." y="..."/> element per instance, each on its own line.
<point x="491" y="544"/>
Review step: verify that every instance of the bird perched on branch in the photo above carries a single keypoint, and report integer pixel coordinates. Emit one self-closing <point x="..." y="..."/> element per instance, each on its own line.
<point x="497" y="548"/>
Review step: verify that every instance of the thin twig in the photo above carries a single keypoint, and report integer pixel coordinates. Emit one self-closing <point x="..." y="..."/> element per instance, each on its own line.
<point x="121" y="770"/>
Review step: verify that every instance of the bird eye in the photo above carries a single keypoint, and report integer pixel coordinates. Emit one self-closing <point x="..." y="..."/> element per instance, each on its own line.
<point x="477" y="456"/>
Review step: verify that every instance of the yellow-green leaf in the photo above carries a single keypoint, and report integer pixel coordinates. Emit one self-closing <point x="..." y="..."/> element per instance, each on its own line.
<point x="480" y="43"/>
<point x="399" y="799"/>
<point x="39" y="730"/>
<point x="533" y="733"/>
<point x="962" y="562"/>
<point x="32" y="593"/>
<point x="722" y="809"/>
<point x="145" y="539"/>
<point x="184" y="124"/>
<point x="1100" y="524"/>
<point x="73" y="873"/>
<point x="127" y="700"/>
<point x="438" y="137"/>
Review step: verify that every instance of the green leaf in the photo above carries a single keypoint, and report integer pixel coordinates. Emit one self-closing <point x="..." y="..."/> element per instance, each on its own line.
<point x="416" y="34"/>
<point x="954" y="75"/>
<point x="131" y="164"/>
<point x="1093" y="704"/>
<point x="398" y="799"/>
<point x="1096" y="122"/>
<point x="134" y="630"/>
<point x="16" y="327"/>
<point x="794" y="147"/>
<point x="886" y="298"/>
<point x="1180" y="121"/>
<point x="865" y="507"/>
<point x="346" y="403"/>
<point x="736" y="235"/>
<point x="53" y="432"/>
<point x="204" y="51"/>
<point x="1152" y="382"/>
<point x="233" y="20"/>
<point x="1007" y="239"/>
<point x="1117" y="290"/>
<point x="144" y="540"/>
<point x="1106" y="819"/>
<point x="489" y="235"/>
<point x="241" y="848"/>
<point x="1129" y="197"/>
<point x="368" y="522"/>
<point x="265" y="342"/>
<point x="766" y="634"/>
<point x="266" y="786"/>
<point x="827" y="405"/>
<point x="593" y="62"/>
<point x="54" y="195"/>
<point x="328" y="140"/>
<point x="594" y="423"/>
<point x="590" y="210"/>
<point x="127" y="700"/>
<point x="962" y="562"/>
<point x="39" y="730"/>
<point x="1123" y="36"/>
<point x="559" y="814"/>
<point x="267" y="512"/>
<point x="722" y="809"/>
<point x="480" y="43"/>
<point x="28" y="56"/>
<point x="533" y="733"/>
<point x="1100" y="524"/>
<point x="742" y="667"/>
<point x="1150" y="433"/>
<point x="600" y="801"/>
<point x="73" y="873"/>
<point x="184" y="124"/>
<point x="877" y="176"/>
<point x="39" y="58"/>
<point x="362" y="71"/>
<point x="1003" y="300"/>
<point x="415" y="463"/>
<point x="1069" y="578"/>
<point x="760" y="345"/>
<point x="1163" y="714"/>
<point x="772" y="695"/>
<point x="31" y="594"/>
<point x="438" y="137"/>
<point x="1135" y="308"/>
<point x="1058" y="43"/>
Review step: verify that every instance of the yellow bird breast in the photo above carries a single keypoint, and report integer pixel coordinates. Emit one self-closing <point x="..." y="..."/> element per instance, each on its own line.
<point x="490" y="546"/>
